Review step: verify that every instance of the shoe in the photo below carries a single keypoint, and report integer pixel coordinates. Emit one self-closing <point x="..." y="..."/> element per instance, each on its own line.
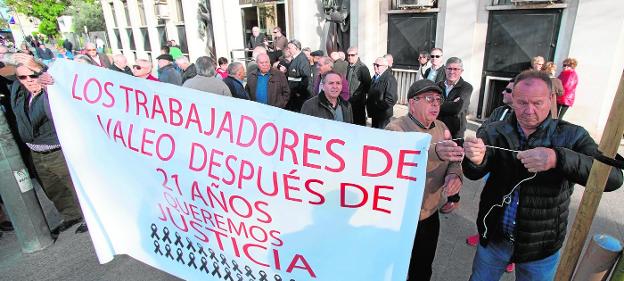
<point x="65" y="226"/>
<point x="473" y="240"/>
<point x="449" y="207"/>
<point x="510" y="267"/>
<point x="82" y="228"/>
<point x="6" y="226"/>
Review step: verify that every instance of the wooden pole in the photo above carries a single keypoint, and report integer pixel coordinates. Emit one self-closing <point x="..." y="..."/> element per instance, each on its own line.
<point x="609" y="144"/>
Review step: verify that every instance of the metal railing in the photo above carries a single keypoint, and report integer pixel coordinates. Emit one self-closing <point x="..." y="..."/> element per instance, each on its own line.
<point x="405" y="78"/>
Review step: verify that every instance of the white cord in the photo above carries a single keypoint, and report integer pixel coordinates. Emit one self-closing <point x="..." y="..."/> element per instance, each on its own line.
<point x="506" y="200"/>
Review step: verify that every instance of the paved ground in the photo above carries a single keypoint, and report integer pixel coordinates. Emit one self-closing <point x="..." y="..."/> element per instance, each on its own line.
<point x="72" y="257"/>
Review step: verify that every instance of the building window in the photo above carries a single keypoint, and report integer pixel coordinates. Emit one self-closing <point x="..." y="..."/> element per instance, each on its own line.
<point x="409" y="34"/>
<point x="118" y="37"/>
<point x="127" y="12"/>
<point x="142" y="12"/>
<point x="145" y="35"/>
<point x="114" y="21"/>
<point x="162" y="35"/>
<point x="414" y="4"/>
<point x="180" y="11"/>
<point x="131" y="38"/>
<point x="182" y="37"/>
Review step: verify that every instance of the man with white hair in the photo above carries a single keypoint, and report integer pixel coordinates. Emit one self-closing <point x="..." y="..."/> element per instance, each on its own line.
<point x="205" y="79"/>
<point x="143" y="69"/>
<point x="234" y="81"/>
<point x="98" y="59"/>
<point x="188" y="68"/>
<point x="120" y="64"/>
<point x="256" y="39"/>
<point x="340" y="65"/>
<point x="382" y="95"/>
<point x="253" y="65"/>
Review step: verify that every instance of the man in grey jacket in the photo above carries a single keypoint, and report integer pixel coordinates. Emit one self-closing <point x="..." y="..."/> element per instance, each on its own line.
<point x="206" y="80"/>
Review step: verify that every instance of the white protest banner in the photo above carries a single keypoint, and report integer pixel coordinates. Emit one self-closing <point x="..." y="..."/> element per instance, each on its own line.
<point x="216" y="188"/>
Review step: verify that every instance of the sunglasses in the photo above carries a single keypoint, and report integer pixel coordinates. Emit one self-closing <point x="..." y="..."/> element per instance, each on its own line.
<point x="508" y="90"/>
<point x="378" y="65"/>
<point x="23" y="77"/>
<point x="352" y="55"/>
<point x="436" y="56"/>
<point x="567" y="65"/>
<point x="137" y="67"/>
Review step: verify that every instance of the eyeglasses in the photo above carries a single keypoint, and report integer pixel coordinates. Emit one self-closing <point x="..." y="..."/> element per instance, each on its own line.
<point x="453" y="69"/>
<point x="431" y="99"/>
<point x="508" y="90"/>
<point x="89" y="50"/>
<point x="436" y="56"/>
<point x="378" y="65"/>
<point x="137" y="67"/>
<point x="23" y="77"/>
<point x="352" y="55"/>
<point x="421" y="57"/>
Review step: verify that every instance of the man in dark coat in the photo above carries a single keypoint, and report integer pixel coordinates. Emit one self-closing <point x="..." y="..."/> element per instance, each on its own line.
<point x="167" y="72"/>
<point x="256" y="39"/>
<point x="120" y="64"/>
<point x="359" y="79"/>
<point x="268" y="85"/>
<point x="328" y="103"/>
<point x="188" y="69"/>
<point x="524" y="206"/>
<point x="234" y="81"/>
<point x="299" y="75"/>
<point x="68" y="45"/>
<point x="457" y="98"/>
<point x="453" y="111"/>
<point x="382" y="95"/>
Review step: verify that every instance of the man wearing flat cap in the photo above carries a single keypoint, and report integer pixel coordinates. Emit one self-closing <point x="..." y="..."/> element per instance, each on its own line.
<point x="166" y="70"/>
<point x="444" y="174"/>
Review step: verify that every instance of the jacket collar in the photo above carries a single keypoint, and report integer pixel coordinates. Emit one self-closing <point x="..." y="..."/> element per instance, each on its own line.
<point x="541" y="136"/>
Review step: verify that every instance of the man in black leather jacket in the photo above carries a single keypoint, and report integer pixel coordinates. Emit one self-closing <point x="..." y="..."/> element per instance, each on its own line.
<point x="533" y="185"/>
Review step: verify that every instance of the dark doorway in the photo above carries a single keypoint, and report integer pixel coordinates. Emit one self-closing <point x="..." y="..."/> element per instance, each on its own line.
<point x="408" y="34"/>
<point x="513" y="38"/>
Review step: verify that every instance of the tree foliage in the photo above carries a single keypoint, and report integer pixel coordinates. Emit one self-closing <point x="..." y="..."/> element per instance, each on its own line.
<point x="89" y="14"/>
<point x="45" y="10"/>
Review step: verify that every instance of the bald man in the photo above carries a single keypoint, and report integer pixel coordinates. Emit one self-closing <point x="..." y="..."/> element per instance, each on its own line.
<point x="120" y="64"/>
<point x="98" y="59"/>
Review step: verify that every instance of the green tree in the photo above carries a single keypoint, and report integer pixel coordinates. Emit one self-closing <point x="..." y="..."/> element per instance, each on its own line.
<point x="45" y="10"/>
<point x="89" y="14"/>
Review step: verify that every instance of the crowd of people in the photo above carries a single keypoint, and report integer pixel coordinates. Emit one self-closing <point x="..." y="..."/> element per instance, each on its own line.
<point x="530" y="158"/>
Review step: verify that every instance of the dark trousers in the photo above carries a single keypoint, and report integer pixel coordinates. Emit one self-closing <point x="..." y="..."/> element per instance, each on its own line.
<point x="562" y="110"/>
<point x="425" y="245"/>
<point x="359" y="113"/>
<point x="380" y="122"/>
<point x="57" y="184"/>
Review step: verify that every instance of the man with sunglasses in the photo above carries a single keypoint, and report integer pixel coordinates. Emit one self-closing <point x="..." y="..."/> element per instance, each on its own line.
<point x="453" y="112"/>
<point x="98" y="59"/>
<point x="436" y="72"/>
<point x="31" y="107"/>
<point x="423" y="64"/>
<point x="382" y="95"/>
<point x="359" y="80"/>
<point x="143" y="69"/>
<point x="444" y="174"/>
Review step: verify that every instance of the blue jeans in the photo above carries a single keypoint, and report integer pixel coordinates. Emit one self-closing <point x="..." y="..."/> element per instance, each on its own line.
<point x="489" y="264"/>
